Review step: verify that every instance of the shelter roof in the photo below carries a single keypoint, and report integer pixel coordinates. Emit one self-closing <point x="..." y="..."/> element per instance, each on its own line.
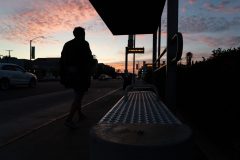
<point x="124" y="17"/>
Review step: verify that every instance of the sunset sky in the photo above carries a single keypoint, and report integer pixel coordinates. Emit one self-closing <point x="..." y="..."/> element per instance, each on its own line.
<point x="206" y="25"/>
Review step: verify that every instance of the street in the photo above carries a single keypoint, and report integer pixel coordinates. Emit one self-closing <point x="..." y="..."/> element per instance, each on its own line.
<point x="23" y="91"/>
<point x="24" y="109"/>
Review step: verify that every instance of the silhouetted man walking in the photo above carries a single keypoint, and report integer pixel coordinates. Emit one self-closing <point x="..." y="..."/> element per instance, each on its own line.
<point x="75" y="71"/>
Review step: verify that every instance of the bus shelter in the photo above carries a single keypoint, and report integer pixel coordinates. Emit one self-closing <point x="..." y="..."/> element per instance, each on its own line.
<point x="124" y="17"/>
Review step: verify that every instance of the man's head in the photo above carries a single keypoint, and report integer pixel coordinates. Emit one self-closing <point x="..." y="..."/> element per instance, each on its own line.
<point x="79" y="33"/>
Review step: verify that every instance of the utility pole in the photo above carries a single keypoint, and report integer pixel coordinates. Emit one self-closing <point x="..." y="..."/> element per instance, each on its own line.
<point x="9" y="53"/>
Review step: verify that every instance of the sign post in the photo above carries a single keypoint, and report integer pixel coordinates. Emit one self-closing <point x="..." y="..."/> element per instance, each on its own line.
<point x="131" y="49"/>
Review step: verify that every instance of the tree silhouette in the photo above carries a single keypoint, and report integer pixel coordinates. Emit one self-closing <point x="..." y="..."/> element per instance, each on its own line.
<point x="189" y="56"/>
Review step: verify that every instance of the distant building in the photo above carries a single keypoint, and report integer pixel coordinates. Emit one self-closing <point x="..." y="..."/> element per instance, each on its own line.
<point x="46" y="68"/>
<point x="25" y="63"/>
<point x="46" y="63"/>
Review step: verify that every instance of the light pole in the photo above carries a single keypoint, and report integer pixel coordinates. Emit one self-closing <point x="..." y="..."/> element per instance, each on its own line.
<point x="31" y="45"/>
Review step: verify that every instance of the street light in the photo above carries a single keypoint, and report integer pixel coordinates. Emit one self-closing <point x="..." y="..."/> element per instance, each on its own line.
<point x="31" y="45"/>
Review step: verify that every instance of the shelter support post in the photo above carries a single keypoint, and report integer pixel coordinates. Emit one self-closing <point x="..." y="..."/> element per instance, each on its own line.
<point x="172" y="29"/>
<point x="159" y="44"/>
<point x="154" y="56"/>
<point x="126" y="62"/>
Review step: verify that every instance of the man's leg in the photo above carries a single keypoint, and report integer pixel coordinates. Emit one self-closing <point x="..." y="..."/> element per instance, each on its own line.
<point x="76" y="105"/>
<point x="79" y="98"/>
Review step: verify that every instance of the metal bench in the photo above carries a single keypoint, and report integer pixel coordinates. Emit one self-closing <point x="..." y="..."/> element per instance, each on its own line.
<point x="141" y="127"/>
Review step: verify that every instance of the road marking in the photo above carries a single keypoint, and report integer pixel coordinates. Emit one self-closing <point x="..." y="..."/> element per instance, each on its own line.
<point x="52" y="120"/>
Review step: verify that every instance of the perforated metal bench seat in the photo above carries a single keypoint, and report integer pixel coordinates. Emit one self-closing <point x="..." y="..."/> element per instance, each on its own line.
<point x="140" y="127"/>
<point x="141" y="107"/>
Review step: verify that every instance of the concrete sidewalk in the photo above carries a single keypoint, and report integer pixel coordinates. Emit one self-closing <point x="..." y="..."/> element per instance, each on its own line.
<point x="56" y="141"/>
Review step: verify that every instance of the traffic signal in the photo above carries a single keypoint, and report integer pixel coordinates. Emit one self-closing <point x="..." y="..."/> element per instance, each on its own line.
<point x="33" y="53"/>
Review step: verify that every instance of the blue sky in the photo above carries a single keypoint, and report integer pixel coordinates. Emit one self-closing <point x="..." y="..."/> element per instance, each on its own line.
<point x="206" y="25"/>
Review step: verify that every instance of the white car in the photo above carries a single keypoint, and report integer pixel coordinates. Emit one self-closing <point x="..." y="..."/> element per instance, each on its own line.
<point x="104" y="77"/>
<point x="15" y="75"/>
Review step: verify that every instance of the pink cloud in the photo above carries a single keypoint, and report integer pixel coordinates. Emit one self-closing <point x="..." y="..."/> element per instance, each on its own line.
<point x="232" y="41"/>
<point x="185" y="5"/>
<point x="198" y="24"/>
<point x="222" y="7"/>
<point x="46" y="18"/>
<point x="192" y="1"/>
<point x="184" y="9"/>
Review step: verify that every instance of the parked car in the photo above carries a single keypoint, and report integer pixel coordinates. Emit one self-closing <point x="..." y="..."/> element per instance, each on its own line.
<point x="119" y="77"/>
<point x="15" y="75"/>
<point x="104" y="77"/>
